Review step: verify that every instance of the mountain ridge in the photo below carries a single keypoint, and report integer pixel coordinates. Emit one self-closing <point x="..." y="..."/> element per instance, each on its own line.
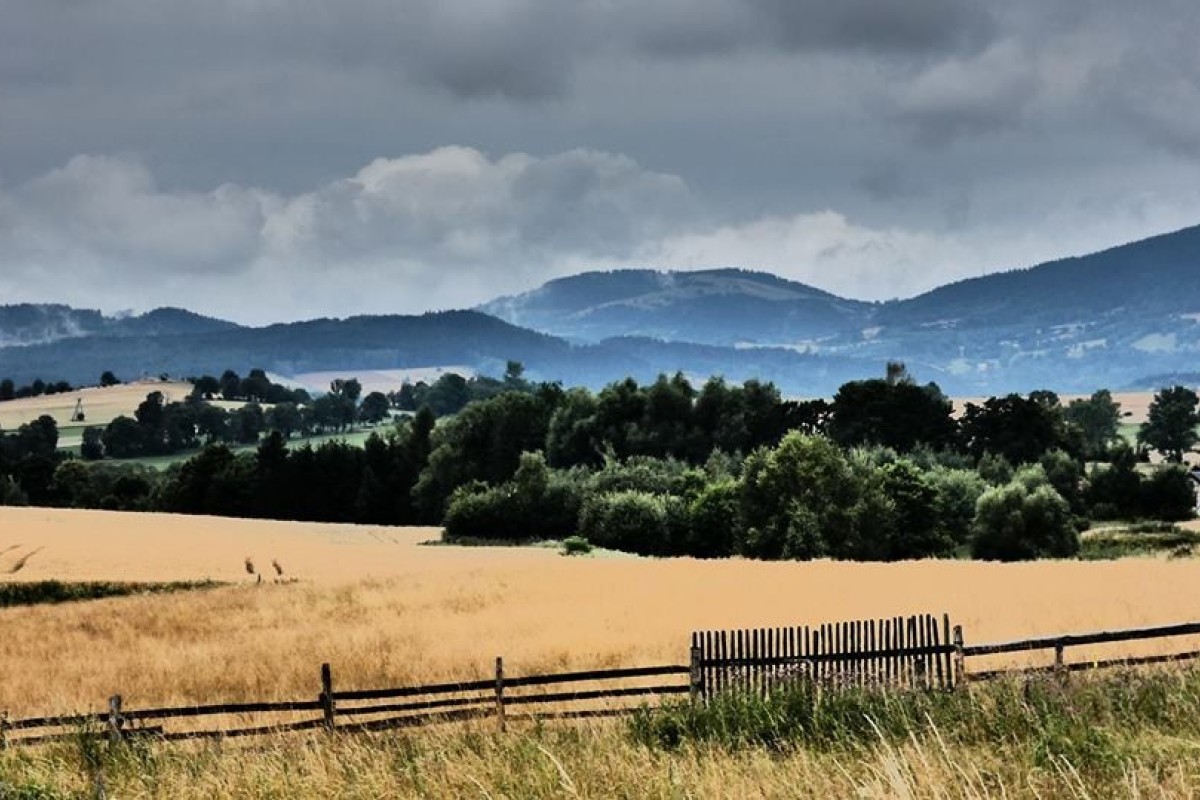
<point x="1114" y="319"/>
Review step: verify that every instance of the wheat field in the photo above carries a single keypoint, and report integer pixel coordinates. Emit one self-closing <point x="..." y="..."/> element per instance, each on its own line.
<point x="101" y="405"/>
<point x="387" y="610"/>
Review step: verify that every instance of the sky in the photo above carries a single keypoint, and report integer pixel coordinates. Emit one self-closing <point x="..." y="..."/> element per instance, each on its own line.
<point x="271" y="160"/>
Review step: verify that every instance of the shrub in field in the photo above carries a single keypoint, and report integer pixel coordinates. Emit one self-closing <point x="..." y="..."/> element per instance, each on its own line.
<point x="576" y="546"/>
<point x="632" y="521"/>
<point x="715" y="520"/>
<point x="1026" y="519"/>
<point x="536" y="504"/>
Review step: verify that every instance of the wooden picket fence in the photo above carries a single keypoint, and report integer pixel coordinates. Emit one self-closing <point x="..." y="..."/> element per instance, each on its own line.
<point x="913" y="652"/>
<point x="921" y="652"/>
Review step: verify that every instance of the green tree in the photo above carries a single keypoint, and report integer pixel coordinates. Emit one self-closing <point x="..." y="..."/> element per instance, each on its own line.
<point x="107" y="378"/>
<point x="799" y="500"/>
<point x="897" y="414"/>
<point x="247" y="423"/>
<point x="916" y="532"/>
<point x="571" y="436"/>
<point x="231" y="385"/>
<point x="206" y="387"/>
<point x="1097" y="419"/>
<point x="1168" y="495"/>
<point x="374" y="408"/>
<point x="1017" y="428"/>
<point x="348" y="388"/>
<point x="285" y="418"/>
<point x="256" y="386"/>
<point x="212" y="422"/>
<point x="1170" y="427"/>
<point x="124" y="438"/>
<point x="92" y="447"/>
<point x="1114" y="491"/>
<point x="482" y="442"/>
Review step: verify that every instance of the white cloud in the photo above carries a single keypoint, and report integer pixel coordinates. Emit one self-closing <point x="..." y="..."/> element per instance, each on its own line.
<point x="100" y="210"/>
<point x="443" y="228"/>
<point x="824" y="249"/>
<point x="453" y="227"/>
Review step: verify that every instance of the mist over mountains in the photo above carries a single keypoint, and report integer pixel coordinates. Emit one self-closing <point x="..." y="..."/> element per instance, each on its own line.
<point x="1121" y="318"/>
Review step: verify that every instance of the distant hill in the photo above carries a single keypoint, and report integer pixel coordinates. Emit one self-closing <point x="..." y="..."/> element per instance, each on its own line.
<point x="29" y="323"/>
<point x="1160" y="275"/>
<point x="720" y="307"/>
<point x="1104" y="320"/>
<point x="470" y="338"/>
<point x="375" y="342"/>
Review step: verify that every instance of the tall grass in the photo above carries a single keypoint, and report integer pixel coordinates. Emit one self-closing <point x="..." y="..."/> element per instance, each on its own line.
<point x="1119" y="735"/>
<point x="1100" y="724"/>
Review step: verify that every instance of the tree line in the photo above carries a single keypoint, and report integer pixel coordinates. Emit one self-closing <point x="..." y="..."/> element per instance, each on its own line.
<point x="883" y="470"/>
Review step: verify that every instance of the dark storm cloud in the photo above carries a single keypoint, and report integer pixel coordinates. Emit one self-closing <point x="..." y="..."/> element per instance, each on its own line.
<point x="522" y="49"/>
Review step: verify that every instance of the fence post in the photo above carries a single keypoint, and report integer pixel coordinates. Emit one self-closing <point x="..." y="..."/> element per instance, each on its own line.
<point x="960" y="659"/>
<point x="696" y="682"/>
<point x="1060" y="670"/>
<point x="326" y="698"/>
<point x="115" y="721"/>
<point x="3" y="730"/>
<point x="500" y="693"/>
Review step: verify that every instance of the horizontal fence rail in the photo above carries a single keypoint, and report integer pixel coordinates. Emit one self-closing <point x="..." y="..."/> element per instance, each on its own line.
<point x="1060" y="643"/>
<point x="600" y="693"/>
<point x="916" y="652"/>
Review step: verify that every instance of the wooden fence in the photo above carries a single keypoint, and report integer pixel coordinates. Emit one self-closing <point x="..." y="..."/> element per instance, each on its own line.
<point x="1059" y="645"/>
<point x="916" y="652"/>
<point x="898" y="652"/>
<point x="587" y="694"/>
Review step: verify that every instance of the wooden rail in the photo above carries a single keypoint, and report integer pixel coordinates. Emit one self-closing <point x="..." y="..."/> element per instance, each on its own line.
<point x="913" y="652"/>
<point x="1060" y="643"/>
<point x="361" y="709"/>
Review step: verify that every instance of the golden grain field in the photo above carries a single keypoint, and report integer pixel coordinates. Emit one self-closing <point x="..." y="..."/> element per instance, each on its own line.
<point x="101" y="405"/>
<point x="386" y="610"/>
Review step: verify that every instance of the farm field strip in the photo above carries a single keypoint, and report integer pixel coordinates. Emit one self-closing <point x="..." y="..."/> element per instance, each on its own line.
<point x="387" y="611"/>
<point x="101" y="405"/>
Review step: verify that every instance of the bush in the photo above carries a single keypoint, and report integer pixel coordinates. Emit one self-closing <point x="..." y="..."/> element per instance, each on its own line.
<point x="1019" y="522"/>
<point x="536" y="504"/>
<point x="632" y="521"/>
<point x="661" y="476"/>
<point x="715" y="520"/>
<point x="957" y="491"/>
<point x="576" y="546"/>
<point x="477" y="511"/>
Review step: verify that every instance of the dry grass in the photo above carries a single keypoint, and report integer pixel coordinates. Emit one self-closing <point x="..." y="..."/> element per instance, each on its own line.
<point x="592" y="761"/>
<point x="386" y="611"/>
